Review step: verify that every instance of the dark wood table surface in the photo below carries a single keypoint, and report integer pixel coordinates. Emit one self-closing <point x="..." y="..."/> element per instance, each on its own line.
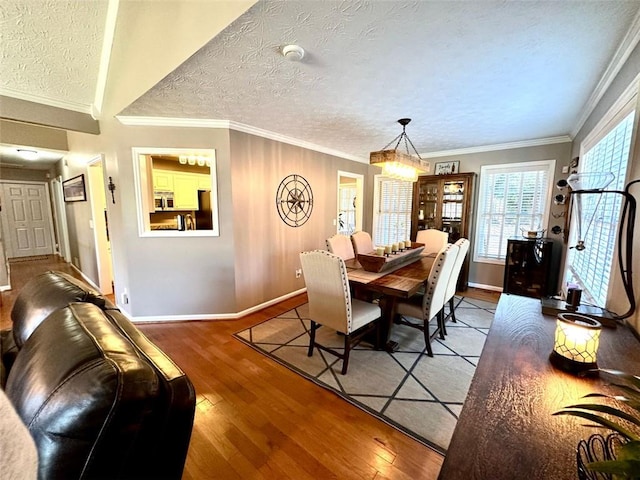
<point x="506" y="429"/>
<point x="403" y="282"/>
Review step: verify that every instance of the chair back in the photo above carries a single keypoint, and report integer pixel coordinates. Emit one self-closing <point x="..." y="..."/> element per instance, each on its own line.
<point x="434" y="240"/>
<point x="362" y="242"/>
<point x="341" y="245"/>
<point x="325" y="276"/>
<point x="436" y="285"/>
<point x="463" y="249"/>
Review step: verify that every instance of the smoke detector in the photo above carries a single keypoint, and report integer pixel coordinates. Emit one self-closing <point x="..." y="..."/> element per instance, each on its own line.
<point x="293" y="53"/>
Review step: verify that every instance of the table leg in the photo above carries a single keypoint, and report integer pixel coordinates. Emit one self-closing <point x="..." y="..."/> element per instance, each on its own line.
<point x="387" y="304"/>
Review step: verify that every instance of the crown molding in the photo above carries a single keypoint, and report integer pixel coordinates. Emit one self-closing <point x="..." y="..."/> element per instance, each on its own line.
<point x="105" y="56"/>
<point x="500" y="146"/>
<point x="231" y="125"/>
<point x="622" y="54"/>
<point x="76" y="107"/>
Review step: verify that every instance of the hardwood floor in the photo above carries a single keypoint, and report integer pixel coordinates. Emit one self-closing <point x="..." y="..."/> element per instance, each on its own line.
<point x="256" y="419"/>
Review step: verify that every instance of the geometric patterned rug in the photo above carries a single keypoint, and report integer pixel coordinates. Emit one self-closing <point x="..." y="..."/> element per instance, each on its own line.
<point x="419" y="395"/>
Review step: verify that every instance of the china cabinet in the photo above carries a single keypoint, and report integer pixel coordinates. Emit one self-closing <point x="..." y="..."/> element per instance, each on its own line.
<point x="444" y="202"/>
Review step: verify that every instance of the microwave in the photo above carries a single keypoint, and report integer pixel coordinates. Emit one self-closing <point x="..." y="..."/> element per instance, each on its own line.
<point x="163" y="200"/>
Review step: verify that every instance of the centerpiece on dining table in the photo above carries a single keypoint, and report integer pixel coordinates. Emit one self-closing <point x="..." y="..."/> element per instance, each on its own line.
<point x="390" y="256"/>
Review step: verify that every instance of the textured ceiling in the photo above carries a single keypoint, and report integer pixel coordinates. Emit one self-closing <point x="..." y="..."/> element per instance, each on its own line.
<point x="469" y="73"/>
<point x="50" y="50"/>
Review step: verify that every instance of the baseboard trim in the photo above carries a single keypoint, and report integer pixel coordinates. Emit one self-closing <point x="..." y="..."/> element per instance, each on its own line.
<point x="492" y="288"/>
<point x="211" y="316"/>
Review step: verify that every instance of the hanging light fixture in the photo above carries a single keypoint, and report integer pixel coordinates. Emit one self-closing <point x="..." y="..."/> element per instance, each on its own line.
<point x="395" y="164"/>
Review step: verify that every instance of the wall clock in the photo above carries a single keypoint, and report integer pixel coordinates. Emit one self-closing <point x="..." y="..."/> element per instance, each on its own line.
<point x="294" y="200"/>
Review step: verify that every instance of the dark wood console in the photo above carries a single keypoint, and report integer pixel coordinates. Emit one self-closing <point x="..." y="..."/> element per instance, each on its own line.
<point x="506" y="428"/>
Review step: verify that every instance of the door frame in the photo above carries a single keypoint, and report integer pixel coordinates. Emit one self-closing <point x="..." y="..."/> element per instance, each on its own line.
<point x="98" y="203"/>
<point x="359" y="181"/>
<point x="60" y="217"/>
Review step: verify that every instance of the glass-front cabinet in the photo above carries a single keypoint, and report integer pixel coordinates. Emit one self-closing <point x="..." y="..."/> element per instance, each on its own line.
<point x="443" y="202"/>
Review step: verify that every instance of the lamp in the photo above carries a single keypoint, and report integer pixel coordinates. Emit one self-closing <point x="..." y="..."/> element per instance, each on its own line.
<point x="395" y="164"/>
<point x="576" y="343"/>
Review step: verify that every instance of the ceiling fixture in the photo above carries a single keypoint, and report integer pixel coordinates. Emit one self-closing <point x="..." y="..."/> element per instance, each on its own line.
<point x="399" y="165"/>
<point x="293" y="53"/>
<point x="27" y="154"/>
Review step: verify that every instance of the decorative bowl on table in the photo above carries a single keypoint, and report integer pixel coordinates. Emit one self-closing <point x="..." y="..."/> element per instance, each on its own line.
<point x="380" y="263"/>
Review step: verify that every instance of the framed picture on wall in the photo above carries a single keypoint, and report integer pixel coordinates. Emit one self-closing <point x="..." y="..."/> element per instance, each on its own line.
<point x="74" y="189"/>
<point x="446" y="168"/>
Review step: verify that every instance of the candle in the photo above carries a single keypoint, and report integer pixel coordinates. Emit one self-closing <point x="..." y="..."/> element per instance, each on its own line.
<point x="394" y="247"/>
<point x="380" y="251"/>
<point x="407" y="243"/>
<point x="387" y="249"/>
<point x="401" y="245"/>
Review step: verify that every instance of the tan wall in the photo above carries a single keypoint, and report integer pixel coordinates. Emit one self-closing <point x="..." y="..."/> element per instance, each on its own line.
<point x="491" y="275"/>
<point x="266" y="249"/>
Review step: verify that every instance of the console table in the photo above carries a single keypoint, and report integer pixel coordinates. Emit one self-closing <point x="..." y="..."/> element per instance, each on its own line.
<point x="506" y="429"/>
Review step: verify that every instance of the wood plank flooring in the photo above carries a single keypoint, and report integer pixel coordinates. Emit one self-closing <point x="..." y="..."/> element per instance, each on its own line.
<point x="255" y="419"/>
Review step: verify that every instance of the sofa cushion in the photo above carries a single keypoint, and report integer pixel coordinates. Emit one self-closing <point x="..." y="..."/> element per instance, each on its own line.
<point x="84" y="393"/>
<point x="44" y="294"/>
<point x="170" y="424"/>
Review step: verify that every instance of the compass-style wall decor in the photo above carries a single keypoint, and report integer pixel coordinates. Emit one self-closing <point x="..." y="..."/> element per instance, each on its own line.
<point x="294" y="200"/>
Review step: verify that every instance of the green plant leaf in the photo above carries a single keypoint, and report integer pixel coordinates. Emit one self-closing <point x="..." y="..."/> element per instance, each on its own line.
<point x="626" y="433"/>
<point x="629" y="469"/>
<point x="616" y="412"/>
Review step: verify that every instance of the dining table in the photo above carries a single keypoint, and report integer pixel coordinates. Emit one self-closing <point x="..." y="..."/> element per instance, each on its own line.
<point x="404" y="281"/>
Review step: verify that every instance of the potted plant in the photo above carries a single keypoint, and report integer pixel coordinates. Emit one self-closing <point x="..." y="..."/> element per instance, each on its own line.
<point x="618" y="455"/>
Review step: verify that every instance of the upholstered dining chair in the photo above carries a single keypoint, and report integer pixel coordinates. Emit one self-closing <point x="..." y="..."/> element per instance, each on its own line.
<point x="341" y="245"/>
<point x="362" y="242"/>
<point x="463" y="249"/>
<point x="430" y="305"/>
<point x="331" y="305"/>
<point x="434" y="240"/>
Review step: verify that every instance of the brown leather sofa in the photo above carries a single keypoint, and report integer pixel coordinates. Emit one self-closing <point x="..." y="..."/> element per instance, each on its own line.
<point x="99" y="399"/>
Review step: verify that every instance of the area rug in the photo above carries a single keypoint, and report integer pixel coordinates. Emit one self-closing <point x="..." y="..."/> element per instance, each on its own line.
<point x="419" y="395"/>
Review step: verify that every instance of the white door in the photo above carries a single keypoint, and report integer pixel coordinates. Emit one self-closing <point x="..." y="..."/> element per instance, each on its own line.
<point x="28" y="219"/>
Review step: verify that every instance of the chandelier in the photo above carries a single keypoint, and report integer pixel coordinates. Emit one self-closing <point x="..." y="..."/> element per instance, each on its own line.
<point x="399" y="165"/>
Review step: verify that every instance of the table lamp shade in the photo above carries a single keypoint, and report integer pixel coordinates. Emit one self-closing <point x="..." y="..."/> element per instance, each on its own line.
<point x="576" y="343"/>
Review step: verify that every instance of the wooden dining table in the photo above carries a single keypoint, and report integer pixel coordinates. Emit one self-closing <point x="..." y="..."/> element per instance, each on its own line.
<point x="402" y="282"/>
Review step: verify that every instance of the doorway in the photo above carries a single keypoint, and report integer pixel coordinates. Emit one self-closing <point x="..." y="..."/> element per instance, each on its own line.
<point x="27" y="219"/>
<point x="100" y="222"/>
<point x="350" y="196"/>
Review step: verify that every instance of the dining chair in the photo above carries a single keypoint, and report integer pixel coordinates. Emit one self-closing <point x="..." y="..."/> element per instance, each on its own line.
<point x="341" y="245"/>
<point x="434" y="240"/>
<point x="430" y="305"/>
<point x="331" y="305"/>
<point x="362" y="242"/>
<point x="463" y="248"/>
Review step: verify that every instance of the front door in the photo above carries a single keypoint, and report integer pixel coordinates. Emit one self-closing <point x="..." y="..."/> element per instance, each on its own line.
<point x="28" y="219"/>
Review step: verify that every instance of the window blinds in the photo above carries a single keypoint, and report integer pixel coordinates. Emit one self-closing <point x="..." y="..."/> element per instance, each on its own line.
<point x="512" y="197"/>
<point x="591" y="268"/>
<point x="392" y="211"/>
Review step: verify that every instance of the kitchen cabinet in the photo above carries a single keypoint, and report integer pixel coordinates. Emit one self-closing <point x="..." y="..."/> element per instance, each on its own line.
<point x="527" y="267"/>
<point x="184" y="186"/>
<point x="162" y="180"/>
<point x="185" y="191"/>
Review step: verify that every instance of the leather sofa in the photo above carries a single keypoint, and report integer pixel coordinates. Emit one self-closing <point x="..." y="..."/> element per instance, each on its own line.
<point x="99" y="399"/>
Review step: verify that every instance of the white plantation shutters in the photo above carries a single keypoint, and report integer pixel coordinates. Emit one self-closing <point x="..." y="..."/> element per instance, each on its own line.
<point x="392" y="211"/>
<point x="512" y="197"/>
<point x="591" y="268"/>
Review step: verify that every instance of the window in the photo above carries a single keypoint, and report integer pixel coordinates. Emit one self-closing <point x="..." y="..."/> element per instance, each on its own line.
<point x="392" y="210"/>
<point x="591" y="267"/>
<point x="176" y="192"/>
<point x="347" y="208"/>
<point x="512" y="198"/>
